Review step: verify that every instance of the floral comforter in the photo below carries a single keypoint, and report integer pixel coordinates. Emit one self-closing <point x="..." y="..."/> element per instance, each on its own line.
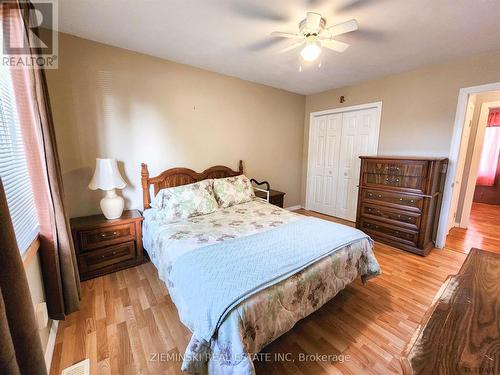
<point x="263" y="317"/>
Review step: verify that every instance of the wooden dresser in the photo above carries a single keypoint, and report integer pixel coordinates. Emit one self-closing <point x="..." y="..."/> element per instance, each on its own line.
<point x="103" y="246"/>
<point x="399" y="200"/>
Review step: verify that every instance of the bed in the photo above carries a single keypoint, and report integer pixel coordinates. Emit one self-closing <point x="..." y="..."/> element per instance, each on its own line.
<point x="283" y="266"/>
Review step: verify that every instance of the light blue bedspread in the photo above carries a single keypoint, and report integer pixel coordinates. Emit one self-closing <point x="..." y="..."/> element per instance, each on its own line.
<point x="212" y="280"/>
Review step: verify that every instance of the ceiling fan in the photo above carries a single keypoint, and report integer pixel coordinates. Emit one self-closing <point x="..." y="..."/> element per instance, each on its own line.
<point x="315" y="34"/>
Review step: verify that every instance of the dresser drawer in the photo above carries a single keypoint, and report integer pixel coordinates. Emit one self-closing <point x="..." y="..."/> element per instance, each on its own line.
<point x="391" y="215"/>
<point x="415" y="183"/>
<point x="393" y="199"/>
<point x="395" y="168"/>
<point x="383" y="230"/>
<point x="91" y="239"/>
<point x="101" y="258"/>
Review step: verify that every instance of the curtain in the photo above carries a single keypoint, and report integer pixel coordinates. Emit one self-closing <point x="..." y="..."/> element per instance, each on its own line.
<point x="494" y="117"/>
<point x="59" y="266"/>
<point x="20" y="347"/>
<point x="488" y="164"/>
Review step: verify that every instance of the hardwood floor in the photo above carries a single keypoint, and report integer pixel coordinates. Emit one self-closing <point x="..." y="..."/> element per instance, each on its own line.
<point x="483" y="231"/>
<point x="127" y="317"/>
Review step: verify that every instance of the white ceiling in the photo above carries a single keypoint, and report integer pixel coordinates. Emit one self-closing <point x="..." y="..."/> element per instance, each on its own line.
<point x="232" y="36"/>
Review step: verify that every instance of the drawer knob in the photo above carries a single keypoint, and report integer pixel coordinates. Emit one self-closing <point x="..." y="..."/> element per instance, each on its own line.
<point x="380" y="196"/>
<point x="412" y="201"/>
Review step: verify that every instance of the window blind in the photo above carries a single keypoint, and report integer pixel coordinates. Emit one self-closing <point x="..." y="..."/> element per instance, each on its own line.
<point x="13" y="166"/>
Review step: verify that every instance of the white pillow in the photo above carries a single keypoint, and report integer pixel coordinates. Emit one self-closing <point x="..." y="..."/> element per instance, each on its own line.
<point x="233" y="190"/>
<point x="185" y="201"/>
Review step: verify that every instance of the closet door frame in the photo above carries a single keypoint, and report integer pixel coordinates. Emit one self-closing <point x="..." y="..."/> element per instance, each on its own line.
<point x="375" y="105"/>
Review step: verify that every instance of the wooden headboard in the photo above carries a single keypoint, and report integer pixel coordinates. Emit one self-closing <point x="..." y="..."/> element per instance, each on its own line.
<point x="181" y="176"/>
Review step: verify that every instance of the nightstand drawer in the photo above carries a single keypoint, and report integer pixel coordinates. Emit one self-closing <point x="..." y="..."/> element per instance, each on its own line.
<point x="91" y="239"/>
<point x="108" y="256"/>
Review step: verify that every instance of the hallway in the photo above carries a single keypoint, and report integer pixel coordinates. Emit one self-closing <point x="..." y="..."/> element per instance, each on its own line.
<point x="483" y="231"/>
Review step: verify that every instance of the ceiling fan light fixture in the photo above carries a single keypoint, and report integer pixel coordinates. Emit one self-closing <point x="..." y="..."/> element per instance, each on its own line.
<point x="312" y="50"/>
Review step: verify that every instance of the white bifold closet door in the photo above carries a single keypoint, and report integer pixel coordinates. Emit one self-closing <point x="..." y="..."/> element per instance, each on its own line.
<point x="337" y="141"/>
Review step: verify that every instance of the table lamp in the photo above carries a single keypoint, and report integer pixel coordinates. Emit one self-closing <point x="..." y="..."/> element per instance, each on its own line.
<point x="107" y="177"/>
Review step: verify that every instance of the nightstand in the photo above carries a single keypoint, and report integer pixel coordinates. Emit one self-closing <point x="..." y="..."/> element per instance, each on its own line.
<point x="103" y="246"/>
<point x="275" y="197"/>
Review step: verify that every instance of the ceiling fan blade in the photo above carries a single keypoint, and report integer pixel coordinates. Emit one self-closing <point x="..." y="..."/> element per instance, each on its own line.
<point x="334" y="45"/>
<point x="281" y="34"/>
<point x="344" y="27"/>
<point x="293" y="46"/>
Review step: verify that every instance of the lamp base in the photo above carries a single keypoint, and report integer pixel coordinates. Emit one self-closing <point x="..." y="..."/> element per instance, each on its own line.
<point x="112" y="205"/>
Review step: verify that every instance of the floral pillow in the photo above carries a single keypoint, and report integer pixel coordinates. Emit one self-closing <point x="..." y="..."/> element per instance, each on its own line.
<point x="233" y="190"/>
<point x="182" y="202"/>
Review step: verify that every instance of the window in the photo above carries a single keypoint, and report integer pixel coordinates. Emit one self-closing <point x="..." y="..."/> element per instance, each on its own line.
<point x="13" y="166"/>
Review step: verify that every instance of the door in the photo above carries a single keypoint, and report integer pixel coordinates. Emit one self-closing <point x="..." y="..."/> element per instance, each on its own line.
<point x="323" y="162"/>
<point x="336" y="142"/>
<point x="359" y="137"/>
<point x="464" y="143"/>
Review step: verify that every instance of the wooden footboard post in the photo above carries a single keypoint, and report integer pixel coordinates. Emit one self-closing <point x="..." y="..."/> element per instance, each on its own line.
<point x="240" y="167"/>
<point x="145" y="185"/>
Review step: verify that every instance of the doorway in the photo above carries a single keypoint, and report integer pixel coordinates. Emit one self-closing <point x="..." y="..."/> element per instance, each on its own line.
<point x="473" y="184"/>
<point x="337" y="138"/>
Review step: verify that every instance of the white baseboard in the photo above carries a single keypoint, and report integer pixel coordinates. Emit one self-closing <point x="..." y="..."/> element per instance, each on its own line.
<point x="51" y="343"/>
<point x="293" y="208"/>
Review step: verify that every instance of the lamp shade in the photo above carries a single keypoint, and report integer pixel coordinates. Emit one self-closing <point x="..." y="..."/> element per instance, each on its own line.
<point x="106" y="175"/>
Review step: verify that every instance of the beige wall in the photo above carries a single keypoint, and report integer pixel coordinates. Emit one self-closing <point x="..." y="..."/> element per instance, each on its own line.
<point x="418" y="106"/>
<point x="35" y="283"/>
<point x="111" y="102"/>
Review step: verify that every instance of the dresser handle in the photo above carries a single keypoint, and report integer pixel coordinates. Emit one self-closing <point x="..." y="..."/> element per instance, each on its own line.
<point x="412" y="201"/>
<point x="104" y="235"/>
<point x="104" y="256"/>
<point x="401" y="199"/>
<point x="380" y="195"/>
<point x="391" y="181"/>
